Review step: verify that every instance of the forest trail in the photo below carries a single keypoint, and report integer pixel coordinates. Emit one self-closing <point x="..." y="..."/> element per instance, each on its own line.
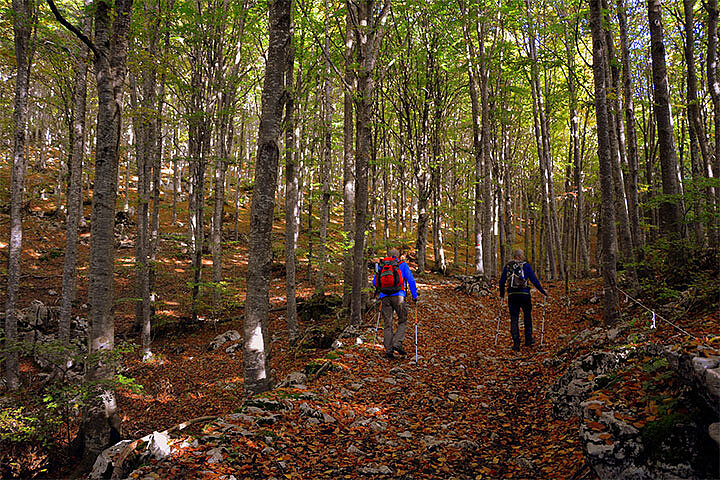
<point x="466" y="410"/>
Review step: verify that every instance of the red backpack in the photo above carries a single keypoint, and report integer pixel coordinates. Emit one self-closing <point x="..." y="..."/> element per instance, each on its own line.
<point x="390" y="279"/>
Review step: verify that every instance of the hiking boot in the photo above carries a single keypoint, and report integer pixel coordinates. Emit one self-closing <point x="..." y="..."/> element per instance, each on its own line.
<point x="530" y="343"/>
<point x="389" y="355"/>
<point x="400" y="350"/>
<point x="516" y="347"/>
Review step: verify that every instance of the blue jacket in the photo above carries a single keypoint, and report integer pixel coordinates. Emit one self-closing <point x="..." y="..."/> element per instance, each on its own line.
<point x="407" y="277"/>
<point x="529" y="274"/>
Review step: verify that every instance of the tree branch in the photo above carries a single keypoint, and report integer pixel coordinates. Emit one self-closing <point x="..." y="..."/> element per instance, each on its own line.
<point x="73" y="28"/>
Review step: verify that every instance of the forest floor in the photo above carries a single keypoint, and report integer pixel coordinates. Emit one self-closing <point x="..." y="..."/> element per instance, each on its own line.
<point x="466" y="409"/>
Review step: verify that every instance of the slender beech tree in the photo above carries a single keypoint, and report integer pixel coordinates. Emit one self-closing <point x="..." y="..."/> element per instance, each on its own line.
<point x="74" y="197"/>
<point x="292" y="208"/>
<point x="326" y="166"/>
<point x="670" y="206"/>
<point x="24" y="19"/>
<point x="714" y="87"/>
<point x="100" y="419"/>
<point x="631" y="184"/>
<point x="256" y="341"/>
<point x="607" y="233"/>
<point x="696" y="128"/>
<point x="348" y="162"/>
<point x="474" y="80"/>
<point x="369" y="24"/>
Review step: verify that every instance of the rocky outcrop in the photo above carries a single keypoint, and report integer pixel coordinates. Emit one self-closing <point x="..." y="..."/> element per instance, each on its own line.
<point x="617" y="444"/>
<point x="584" y="376"/>
<point x="618" y="448"/>
<point x="700" y="371"/>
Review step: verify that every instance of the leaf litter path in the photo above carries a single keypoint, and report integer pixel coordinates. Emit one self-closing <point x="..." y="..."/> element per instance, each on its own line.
<point x="466" y="410"/>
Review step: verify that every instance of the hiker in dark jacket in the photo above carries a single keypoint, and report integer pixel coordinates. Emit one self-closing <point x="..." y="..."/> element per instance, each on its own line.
<point x="395" y="301"/>
<point x="518" y="274"/>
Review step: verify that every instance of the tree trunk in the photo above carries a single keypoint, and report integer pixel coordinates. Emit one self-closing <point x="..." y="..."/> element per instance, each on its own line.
<point x="473" y="75"/>
<point x="291" y="192"/>
<point x="714" y="86"/>
<point x="326" y="167"/>
<point x="74" y="196"/>
<point x="369" y="32"/>
<point x="631" y="131"/>
<point x="424" y="191"/>
<point x="670" y="207"/>
<point x="256" y="341"/>
<point x="618" y="146"/>
<point x="100" y="417"/>
<point x="698" y="142"/>
<point x="24" y="18"/>
<point x="348" y="163"/>
<point x="610" y="314"/>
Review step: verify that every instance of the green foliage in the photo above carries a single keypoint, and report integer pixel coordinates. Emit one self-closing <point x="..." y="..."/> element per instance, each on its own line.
<point x="671" y="267"/>
<point x="217" y="300"/>
<point x="18" y="426"/>
<point x="51" y="254"/>
<point x="656" y="434"/>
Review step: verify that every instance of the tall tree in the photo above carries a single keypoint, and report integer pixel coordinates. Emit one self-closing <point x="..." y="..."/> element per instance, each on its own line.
<point x="348" y="163"/>
<point x="607" y="233"/>
<point x="631" y="131"/>
<point x="292" y="208"/>
<point x="369" y="24"/>
<point x="74" y="197"/>
<point x="670" y="207"/>
<point x="24" y="18"/>
<point x="101" y="421"/>
<point x="698" y="141"/>
<point x="474" y="79"/>
<point x="325" y="169"/>
<point x="714" y="86"/>
<point x="256" y="365"/>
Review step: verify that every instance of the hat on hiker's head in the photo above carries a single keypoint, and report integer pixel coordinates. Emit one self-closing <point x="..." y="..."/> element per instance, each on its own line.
<point x="518" y="254"/>
<point x="394" y="252"/>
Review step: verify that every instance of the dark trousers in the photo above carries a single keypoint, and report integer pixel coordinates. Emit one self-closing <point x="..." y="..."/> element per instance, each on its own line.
<point x="517" y="301"/>
<point x="396" y="304"/>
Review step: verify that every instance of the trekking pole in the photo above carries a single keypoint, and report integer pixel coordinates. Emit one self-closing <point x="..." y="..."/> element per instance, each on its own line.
<point x="416" y="330"/>
<point x="542" y="329"/>
<point x="377" y="323"/>
<point x="497" y="331"/>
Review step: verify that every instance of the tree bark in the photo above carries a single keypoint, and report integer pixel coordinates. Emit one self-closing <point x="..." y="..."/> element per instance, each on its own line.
<point x="74" y="197"/>
<point x="100" y="420"/>
<point x="369" y="31"/>
<point x="326" y="166"/>
<point x="631" y="132"/>
<point x="24" y="18"/>
<point x="610" y="314"/>
<point x="292" y="212"/>
<point x="256" y="341"/>
<point x="477" y="140"/>
<point x="348" y="163"/>
<point x="714" y="86"/>
<point x="670" y="207"/>
<point x="698" y="141"/>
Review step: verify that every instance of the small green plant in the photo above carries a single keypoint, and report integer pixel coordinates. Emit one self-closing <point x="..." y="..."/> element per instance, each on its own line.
<point x="19" y="426"/>
<point x="51" y="254"/>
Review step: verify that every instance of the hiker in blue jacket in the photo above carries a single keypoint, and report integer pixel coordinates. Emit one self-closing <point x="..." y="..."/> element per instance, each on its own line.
<point x="517" y="273"/>
<point x="390" y="281"/>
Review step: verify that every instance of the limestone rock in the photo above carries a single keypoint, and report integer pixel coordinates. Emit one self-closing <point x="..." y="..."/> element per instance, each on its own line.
<point x="158" y="445"/>
<point x="229" y="336"/>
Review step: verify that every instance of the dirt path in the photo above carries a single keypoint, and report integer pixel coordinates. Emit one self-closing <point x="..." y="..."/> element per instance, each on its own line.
<point x="466" y="410"/>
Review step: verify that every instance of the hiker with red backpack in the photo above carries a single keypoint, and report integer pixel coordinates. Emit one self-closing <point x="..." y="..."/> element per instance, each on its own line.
<point x="518" y="274"/>
<point x="390" y="279"/>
